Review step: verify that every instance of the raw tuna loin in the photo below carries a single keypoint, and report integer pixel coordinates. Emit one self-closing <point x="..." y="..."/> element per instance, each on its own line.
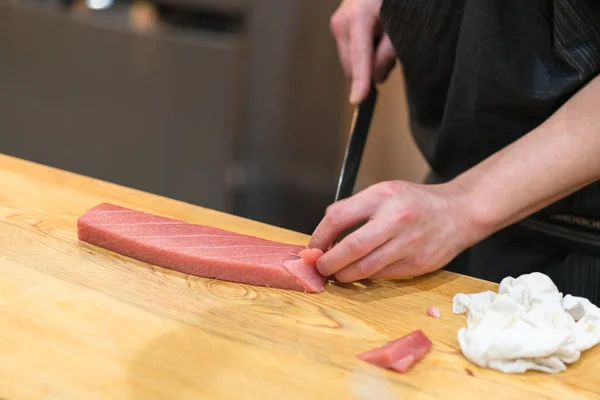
<point x="400" y="354"/>
<point x="200" y="250"/>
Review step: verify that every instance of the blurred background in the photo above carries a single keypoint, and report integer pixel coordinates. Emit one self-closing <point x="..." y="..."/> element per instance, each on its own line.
<point x="235" y="105"/>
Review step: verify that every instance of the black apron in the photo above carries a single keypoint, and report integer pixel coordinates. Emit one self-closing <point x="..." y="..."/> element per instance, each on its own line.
<point x="479" y="75"/>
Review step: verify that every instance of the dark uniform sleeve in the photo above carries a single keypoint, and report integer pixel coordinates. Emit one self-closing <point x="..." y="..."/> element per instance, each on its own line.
<point x="576" y="27"/>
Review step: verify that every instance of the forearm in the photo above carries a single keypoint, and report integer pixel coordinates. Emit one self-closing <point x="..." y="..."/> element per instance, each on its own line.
<point x="554" y="160"/>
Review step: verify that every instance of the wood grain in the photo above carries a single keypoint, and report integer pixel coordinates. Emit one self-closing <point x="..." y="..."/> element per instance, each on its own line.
<point x="82" y="323"/>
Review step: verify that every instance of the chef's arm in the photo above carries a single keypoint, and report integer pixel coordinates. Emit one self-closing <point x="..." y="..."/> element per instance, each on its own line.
<point x="552" y="161"/>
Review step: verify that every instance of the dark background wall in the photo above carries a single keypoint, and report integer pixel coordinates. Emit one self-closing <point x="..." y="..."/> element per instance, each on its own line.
<point x="233" y="105"/>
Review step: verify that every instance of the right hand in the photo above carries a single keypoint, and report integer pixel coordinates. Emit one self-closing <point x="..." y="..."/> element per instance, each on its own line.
<point x="356" y="25"/>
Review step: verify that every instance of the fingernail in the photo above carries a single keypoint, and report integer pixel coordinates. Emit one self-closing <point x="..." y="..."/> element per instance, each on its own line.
<point x="354" y="94"/>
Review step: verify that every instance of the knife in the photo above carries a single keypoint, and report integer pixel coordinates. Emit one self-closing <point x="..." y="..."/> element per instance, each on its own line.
<point x="359" y="130"/>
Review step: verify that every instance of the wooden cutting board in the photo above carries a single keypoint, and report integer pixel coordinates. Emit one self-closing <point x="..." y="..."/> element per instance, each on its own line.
<point x="82" y="323"/>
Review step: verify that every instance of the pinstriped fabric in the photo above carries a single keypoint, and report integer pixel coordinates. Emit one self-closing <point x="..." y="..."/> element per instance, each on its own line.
<point x="423" y="26"/>
<point x="480" y="74"/>
<point x="576" y="26"/>
<point x="586" y="201"/>
<point x="579" y="275"/>
<point x="577" y="34"/>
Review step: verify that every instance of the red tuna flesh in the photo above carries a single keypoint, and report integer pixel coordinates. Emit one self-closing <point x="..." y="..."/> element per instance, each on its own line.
<point x="199" y="250"/>
<point x="400" y="354"/>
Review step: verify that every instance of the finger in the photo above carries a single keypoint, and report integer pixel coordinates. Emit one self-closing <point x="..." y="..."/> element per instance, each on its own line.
<point x="361" y="56"/>
<point x="388" y="253"/>
<point x="339" y="28"/>
<point x="399" y="269"/>
<point x="385" y="59"/>
<point x="356" y="246"/>
<point x="343" y="215"/>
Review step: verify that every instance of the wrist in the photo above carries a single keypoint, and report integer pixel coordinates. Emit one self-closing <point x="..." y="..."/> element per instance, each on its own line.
<point x="478" y="214"/>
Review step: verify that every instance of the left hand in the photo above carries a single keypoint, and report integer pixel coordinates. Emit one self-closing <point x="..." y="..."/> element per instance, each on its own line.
<point x="411" y="230"/>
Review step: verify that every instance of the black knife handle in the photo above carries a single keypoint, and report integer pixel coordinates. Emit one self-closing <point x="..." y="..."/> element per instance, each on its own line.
<point x="355" y="148"/>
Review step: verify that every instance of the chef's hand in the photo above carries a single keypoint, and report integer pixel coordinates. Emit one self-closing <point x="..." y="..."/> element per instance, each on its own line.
<point x="411" y="230"/>
<point x="355" y="25"/>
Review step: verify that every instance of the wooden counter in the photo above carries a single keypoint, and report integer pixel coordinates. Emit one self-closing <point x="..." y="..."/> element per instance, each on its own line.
<point x="80" y="323"/>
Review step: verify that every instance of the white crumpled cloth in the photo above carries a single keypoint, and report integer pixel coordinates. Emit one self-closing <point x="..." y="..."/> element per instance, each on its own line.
<point x="527" y="325"/>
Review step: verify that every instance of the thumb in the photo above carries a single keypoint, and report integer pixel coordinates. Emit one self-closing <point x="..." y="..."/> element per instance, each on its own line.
<point x="385" y="59"/>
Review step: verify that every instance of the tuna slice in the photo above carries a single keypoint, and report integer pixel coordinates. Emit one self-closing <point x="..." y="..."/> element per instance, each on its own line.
<point x="310" y="256"/>
<point x="399" y="354"/>
<point x="200" y="250"/>
<point x="433" y="312"/>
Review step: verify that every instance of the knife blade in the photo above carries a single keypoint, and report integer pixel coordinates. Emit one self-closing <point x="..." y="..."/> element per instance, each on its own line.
<point x="359" y="130"/>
